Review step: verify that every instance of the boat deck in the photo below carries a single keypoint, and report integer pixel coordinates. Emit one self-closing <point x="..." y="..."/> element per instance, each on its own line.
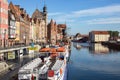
<point x="48" y="61"/>
<point x="44" y="76"/>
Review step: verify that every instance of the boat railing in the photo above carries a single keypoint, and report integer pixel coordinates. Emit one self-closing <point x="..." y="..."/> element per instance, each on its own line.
<point x="57" y="65"/>
<point x="31" y="65"/>
<point x="25" y="71"/>
<point x="45" y="67"/>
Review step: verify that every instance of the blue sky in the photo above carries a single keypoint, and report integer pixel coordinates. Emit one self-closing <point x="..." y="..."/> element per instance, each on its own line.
<point x="80" y="16"/>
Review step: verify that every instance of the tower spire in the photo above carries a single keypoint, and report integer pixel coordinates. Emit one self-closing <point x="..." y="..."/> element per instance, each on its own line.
<point x="44" y="8"/>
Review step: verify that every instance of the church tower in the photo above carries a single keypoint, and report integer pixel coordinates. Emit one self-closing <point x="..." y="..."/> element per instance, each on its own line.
<point x="45" y="18"/>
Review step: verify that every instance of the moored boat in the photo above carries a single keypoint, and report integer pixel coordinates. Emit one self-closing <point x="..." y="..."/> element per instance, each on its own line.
<point x="50" y="65"/>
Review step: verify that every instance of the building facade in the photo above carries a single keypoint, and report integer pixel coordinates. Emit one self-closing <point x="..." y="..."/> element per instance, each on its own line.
<point x="61" y="31"/>
<point x="11" y="28"/>
<point x="16" y="10"/>
<point x="22" y="24"/>
<point x="24" y="27"/>
<point x="39" y="26"/>
<point x="99" y="36"/>
<point x="52" y="32"/>
<point x="3" y="23"/>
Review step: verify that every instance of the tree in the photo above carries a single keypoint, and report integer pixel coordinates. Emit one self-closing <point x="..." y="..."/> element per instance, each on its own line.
<point x="113" y="34"/>
<point x="110" y="32"/>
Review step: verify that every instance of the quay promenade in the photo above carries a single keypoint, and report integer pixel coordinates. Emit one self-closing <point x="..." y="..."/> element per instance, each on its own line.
<point x="6" y="49"/>
<point x="14" y="66"/>
<point x="9" y="54"/>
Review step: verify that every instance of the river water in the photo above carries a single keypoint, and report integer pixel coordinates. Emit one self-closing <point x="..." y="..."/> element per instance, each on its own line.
<point x="87" y="62"/>
<point x="93" y="62"/>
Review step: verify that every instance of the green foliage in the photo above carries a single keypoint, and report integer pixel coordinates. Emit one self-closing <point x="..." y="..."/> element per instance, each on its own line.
<point x="113" y="33"/>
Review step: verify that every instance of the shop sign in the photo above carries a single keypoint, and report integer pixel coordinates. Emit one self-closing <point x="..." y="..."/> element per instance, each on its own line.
<point x="11" y="55"/>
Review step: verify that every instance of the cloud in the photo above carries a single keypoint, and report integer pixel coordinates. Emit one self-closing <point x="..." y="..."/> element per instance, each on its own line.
<point x="74" y="16"/>
<point x="112" y="20"/>
<point x="107" y="10"/>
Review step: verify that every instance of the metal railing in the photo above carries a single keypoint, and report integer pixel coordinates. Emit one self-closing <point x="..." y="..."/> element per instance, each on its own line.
<point x="16" y="46"/>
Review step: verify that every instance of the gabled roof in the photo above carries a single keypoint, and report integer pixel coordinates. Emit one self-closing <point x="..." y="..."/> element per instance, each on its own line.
<point x="15" y="10"/>
<point x="51" y="24"/>
<point x="62" y="26"/>
<point x="37" y="14"/>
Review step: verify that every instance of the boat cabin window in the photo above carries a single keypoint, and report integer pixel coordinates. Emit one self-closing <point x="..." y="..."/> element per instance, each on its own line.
<point x="53" y="46"/>
<point x="44" y="54"/>
<point x="61" y="54"/>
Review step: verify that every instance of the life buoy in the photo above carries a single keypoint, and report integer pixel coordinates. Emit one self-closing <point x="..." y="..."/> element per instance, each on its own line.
<point x="32" y="77"/>
<point x="50" y="73"/>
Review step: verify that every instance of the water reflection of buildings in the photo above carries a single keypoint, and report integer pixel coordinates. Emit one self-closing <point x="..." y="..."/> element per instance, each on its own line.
<point x="98" y="48"/>
<point x="77" y="46"/>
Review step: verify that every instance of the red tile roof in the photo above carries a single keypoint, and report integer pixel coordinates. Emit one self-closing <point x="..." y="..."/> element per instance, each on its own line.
<point x="37" y="14"/>
<point x="62" y="25"/>
<point x="100" y="32"/>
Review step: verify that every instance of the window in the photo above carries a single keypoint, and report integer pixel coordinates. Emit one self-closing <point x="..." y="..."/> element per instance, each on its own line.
<point x="4" y="11"/>
<point x="5" y="1"/>
<point x="4" y="21"/>
<point x="12" y="33"/>
<point x="6" y="42"/>
<point x="0" y="19"/>
<point x="0" y="31"/>
<point x="12" y="23"/>
<point x="0" y="10"/>
<point x="0" y="42"/>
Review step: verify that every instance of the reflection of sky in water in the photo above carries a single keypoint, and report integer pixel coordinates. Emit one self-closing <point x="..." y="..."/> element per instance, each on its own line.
<point x="101" y="65"/>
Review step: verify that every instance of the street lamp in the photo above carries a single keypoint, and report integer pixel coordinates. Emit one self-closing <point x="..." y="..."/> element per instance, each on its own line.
<point x="4" y="38"/>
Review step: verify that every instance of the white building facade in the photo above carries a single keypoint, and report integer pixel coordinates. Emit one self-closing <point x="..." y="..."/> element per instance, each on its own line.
<point x="99" y="36"/>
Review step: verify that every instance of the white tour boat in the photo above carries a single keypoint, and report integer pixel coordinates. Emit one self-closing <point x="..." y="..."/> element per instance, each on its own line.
<point x="50" y="65"/>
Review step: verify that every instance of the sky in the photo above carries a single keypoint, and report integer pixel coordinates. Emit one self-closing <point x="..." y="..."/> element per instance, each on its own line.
<point x="80" y="16"/>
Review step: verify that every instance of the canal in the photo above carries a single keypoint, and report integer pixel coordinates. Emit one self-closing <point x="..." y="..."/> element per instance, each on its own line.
<point x="93" y="62"/>
<point x="87" y="62"/>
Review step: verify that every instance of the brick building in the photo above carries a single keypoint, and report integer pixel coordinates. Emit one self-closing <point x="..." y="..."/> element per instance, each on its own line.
<point x="61" y="31"/>
<point x="3" y="23"/>
<point x="52" y="32"/>
<point x="24" y="27"/>
<point x="22" y="24"/>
